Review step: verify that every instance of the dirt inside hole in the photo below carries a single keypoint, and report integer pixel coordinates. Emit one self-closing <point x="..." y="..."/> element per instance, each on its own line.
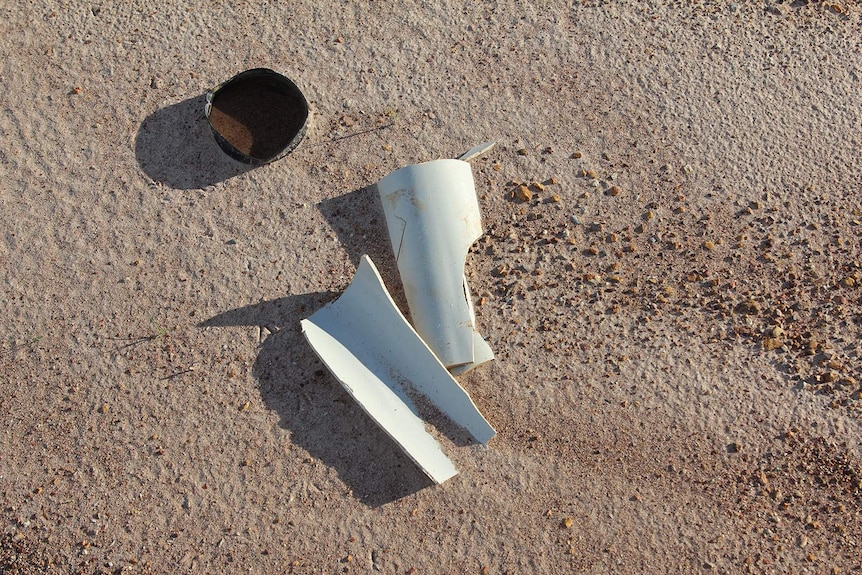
<point x="258" y="116"/>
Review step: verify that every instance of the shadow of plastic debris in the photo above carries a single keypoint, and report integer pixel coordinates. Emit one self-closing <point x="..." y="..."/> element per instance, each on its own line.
<point x="357" y="219"/>
<point x="175" y="146"/>
<point x="321" y="417"/>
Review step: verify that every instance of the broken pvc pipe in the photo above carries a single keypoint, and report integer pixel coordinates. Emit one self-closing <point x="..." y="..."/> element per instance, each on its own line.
<point x="367" y="344"/>
<point x="433" y="218"/>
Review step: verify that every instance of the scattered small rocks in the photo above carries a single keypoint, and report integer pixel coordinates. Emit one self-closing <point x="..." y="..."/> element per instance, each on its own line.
<point x="526" y="192"/>
<point x="759" y="288"/>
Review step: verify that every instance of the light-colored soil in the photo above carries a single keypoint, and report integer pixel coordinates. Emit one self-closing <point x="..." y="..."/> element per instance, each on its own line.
<point x="676" y="316"/>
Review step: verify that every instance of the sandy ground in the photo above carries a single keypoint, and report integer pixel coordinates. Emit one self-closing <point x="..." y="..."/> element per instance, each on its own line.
<point x="676" y="317"/>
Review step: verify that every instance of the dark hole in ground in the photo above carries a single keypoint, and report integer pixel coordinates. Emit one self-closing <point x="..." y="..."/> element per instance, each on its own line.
<point x="258" y="116"/>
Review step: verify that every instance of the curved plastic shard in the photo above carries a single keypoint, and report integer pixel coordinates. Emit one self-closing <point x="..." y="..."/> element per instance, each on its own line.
<point x="476" y="151"/>
<point x="367" y="344"/>
<point x="433" y="218"/>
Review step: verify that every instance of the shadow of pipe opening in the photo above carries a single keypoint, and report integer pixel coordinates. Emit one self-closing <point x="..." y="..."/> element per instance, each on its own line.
<point x="175" y="146"/>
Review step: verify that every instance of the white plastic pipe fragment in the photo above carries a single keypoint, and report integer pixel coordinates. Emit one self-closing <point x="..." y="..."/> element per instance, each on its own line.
<point x="476" y="151"/>
<point x="367" y="344"/>
<point x="433" y="218"/>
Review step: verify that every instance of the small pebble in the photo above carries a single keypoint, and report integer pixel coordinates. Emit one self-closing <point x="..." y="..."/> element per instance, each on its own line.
<point x="614" y="191"/>
<point x="749" y="307"/>
<point x="523" y="193"/>
<point x="771" y="343"/>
